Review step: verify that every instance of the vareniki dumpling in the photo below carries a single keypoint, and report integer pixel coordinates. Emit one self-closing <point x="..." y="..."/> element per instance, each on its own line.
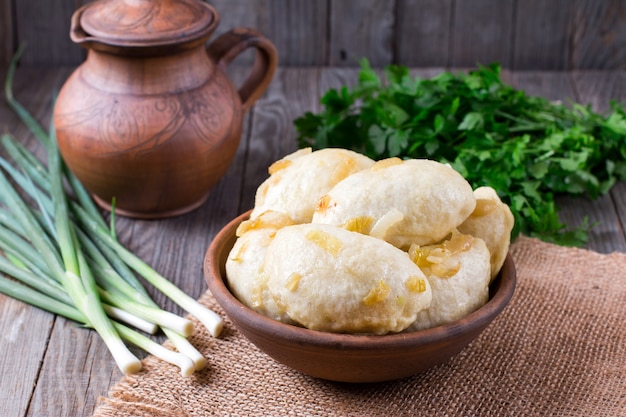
<point x="298" y="180"/>
<point x="416" y="201"/>
<point x="330" y="279"/>
<point x="458" y="270"/>
<point x="244" y="265"/>
<point x="492" y="221"/>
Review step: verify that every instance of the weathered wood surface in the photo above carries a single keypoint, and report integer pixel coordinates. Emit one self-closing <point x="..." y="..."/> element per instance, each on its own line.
<point x="522" y="35"/>
<point x="50" y="367"/>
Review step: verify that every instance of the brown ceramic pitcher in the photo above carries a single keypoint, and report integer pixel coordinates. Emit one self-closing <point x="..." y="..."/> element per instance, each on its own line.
<point x="151" y="119"/>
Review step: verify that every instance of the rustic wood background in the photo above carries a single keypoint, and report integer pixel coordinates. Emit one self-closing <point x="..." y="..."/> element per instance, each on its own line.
<point x="520" y="34"/>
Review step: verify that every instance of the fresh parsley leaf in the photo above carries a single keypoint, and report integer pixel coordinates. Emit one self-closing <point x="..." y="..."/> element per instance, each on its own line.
<point x="525" y="147"/>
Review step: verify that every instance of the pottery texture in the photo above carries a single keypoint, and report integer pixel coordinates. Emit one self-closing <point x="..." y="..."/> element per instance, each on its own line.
<point x="154" y="124"/>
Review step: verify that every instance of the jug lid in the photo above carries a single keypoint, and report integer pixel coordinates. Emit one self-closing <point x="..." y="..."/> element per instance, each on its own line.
<point x="147" y="22"/>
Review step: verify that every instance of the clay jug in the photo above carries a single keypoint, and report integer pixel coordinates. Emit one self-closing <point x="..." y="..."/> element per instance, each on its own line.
<point x="151" y="120"/>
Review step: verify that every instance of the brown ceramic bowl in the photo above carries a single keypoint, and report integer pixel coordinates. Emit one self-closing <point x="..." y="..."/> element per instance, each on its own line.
<point x="345" y="357"/>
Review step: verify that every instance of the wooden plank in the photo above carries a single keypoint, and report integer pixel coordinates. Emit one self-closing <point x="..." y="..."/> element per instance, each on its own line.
<point x="482" y="33"/>
<point x="606" y="236"/>
<point x="554" y="86"/>
<point x="7" y="39"/>
<point x="363" y="29"/>
<point x="44" y="25"/>
<point x="293" y="92"/>
<point x="533" y="34"/>
<point x="598" y="88"/>
<point x="240" y="13"/>
<point x="297" y="28"/>
<point x="423" y="32"/>
<point x="425" y="73"/>
<point x="337" y="78"/>
<point x="77" y="368"/>
<point x="618" y="195"/>
<point x="24" y="333"/>
<point x="543" y="31"/>
<point x="599" y="35"/>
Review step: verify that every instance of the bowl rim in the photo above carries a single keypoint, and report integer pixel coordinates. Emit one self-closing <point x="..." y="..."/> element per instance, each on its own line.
<point x="501" y="292"/>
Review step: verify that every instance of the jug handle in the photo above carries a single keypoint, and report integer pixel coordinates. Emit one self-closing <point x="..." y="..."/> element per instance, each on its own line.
<point x="230" y="44"/>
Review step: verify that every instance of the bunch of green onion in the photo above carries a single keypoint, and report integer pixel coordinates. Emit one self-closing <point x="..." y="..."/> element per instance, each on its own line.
<point x="58" y="253"/>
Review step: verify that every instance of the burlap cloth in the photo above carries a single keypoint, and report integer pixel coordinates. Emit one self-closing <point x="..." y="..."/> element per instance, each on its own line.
<point x="559" y="349"/>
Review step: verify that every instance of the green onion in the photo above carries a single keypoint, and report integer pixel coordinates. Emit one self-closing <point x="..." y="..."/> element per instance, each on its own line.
<point x="208" y="318"/>
<point x="69" y="275"/>
<point x="33" y="297"/>
<point x="163" y="318"/>
<point x="26" y="117"/>
<point x="131" y="291"/>
<point x="125" y="317"/>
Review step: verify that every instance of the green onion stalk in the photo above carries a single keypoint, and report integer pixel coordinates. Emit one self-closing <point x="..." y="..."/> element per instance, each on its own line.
<point x="76" y="283"/>
<point x="33" y="297"/>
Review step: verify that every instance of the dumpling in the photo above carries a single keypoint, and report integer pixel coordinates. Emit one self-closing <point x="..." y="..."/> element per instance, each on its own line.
<point x="330" y="279"/>
<point x="458" y="271"/>
<point x="492" y="221"/>
<point x="403" y="202"/>
<point x="244" y="265"/>
<point x="297" y="181"/>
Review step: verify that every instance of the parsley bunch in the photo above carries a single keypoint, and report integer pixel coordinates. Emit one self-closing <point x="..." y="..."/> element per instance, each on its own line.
<point x="527" y="148"/>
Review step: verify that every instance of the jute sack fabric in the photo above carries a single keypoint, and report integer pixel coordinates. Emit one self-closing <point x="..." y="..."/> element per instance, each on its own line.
<point x="559" y="349"/>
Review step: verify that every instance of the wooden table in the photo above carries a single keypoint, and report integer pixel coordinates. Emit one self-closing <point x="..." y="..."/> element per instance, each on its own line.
<point x="51" y="367"/>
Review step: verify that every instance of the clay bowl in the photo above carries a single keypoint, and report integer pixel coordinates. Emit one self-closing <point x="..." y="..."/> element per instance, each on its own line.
<point x="344" y="357"/>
